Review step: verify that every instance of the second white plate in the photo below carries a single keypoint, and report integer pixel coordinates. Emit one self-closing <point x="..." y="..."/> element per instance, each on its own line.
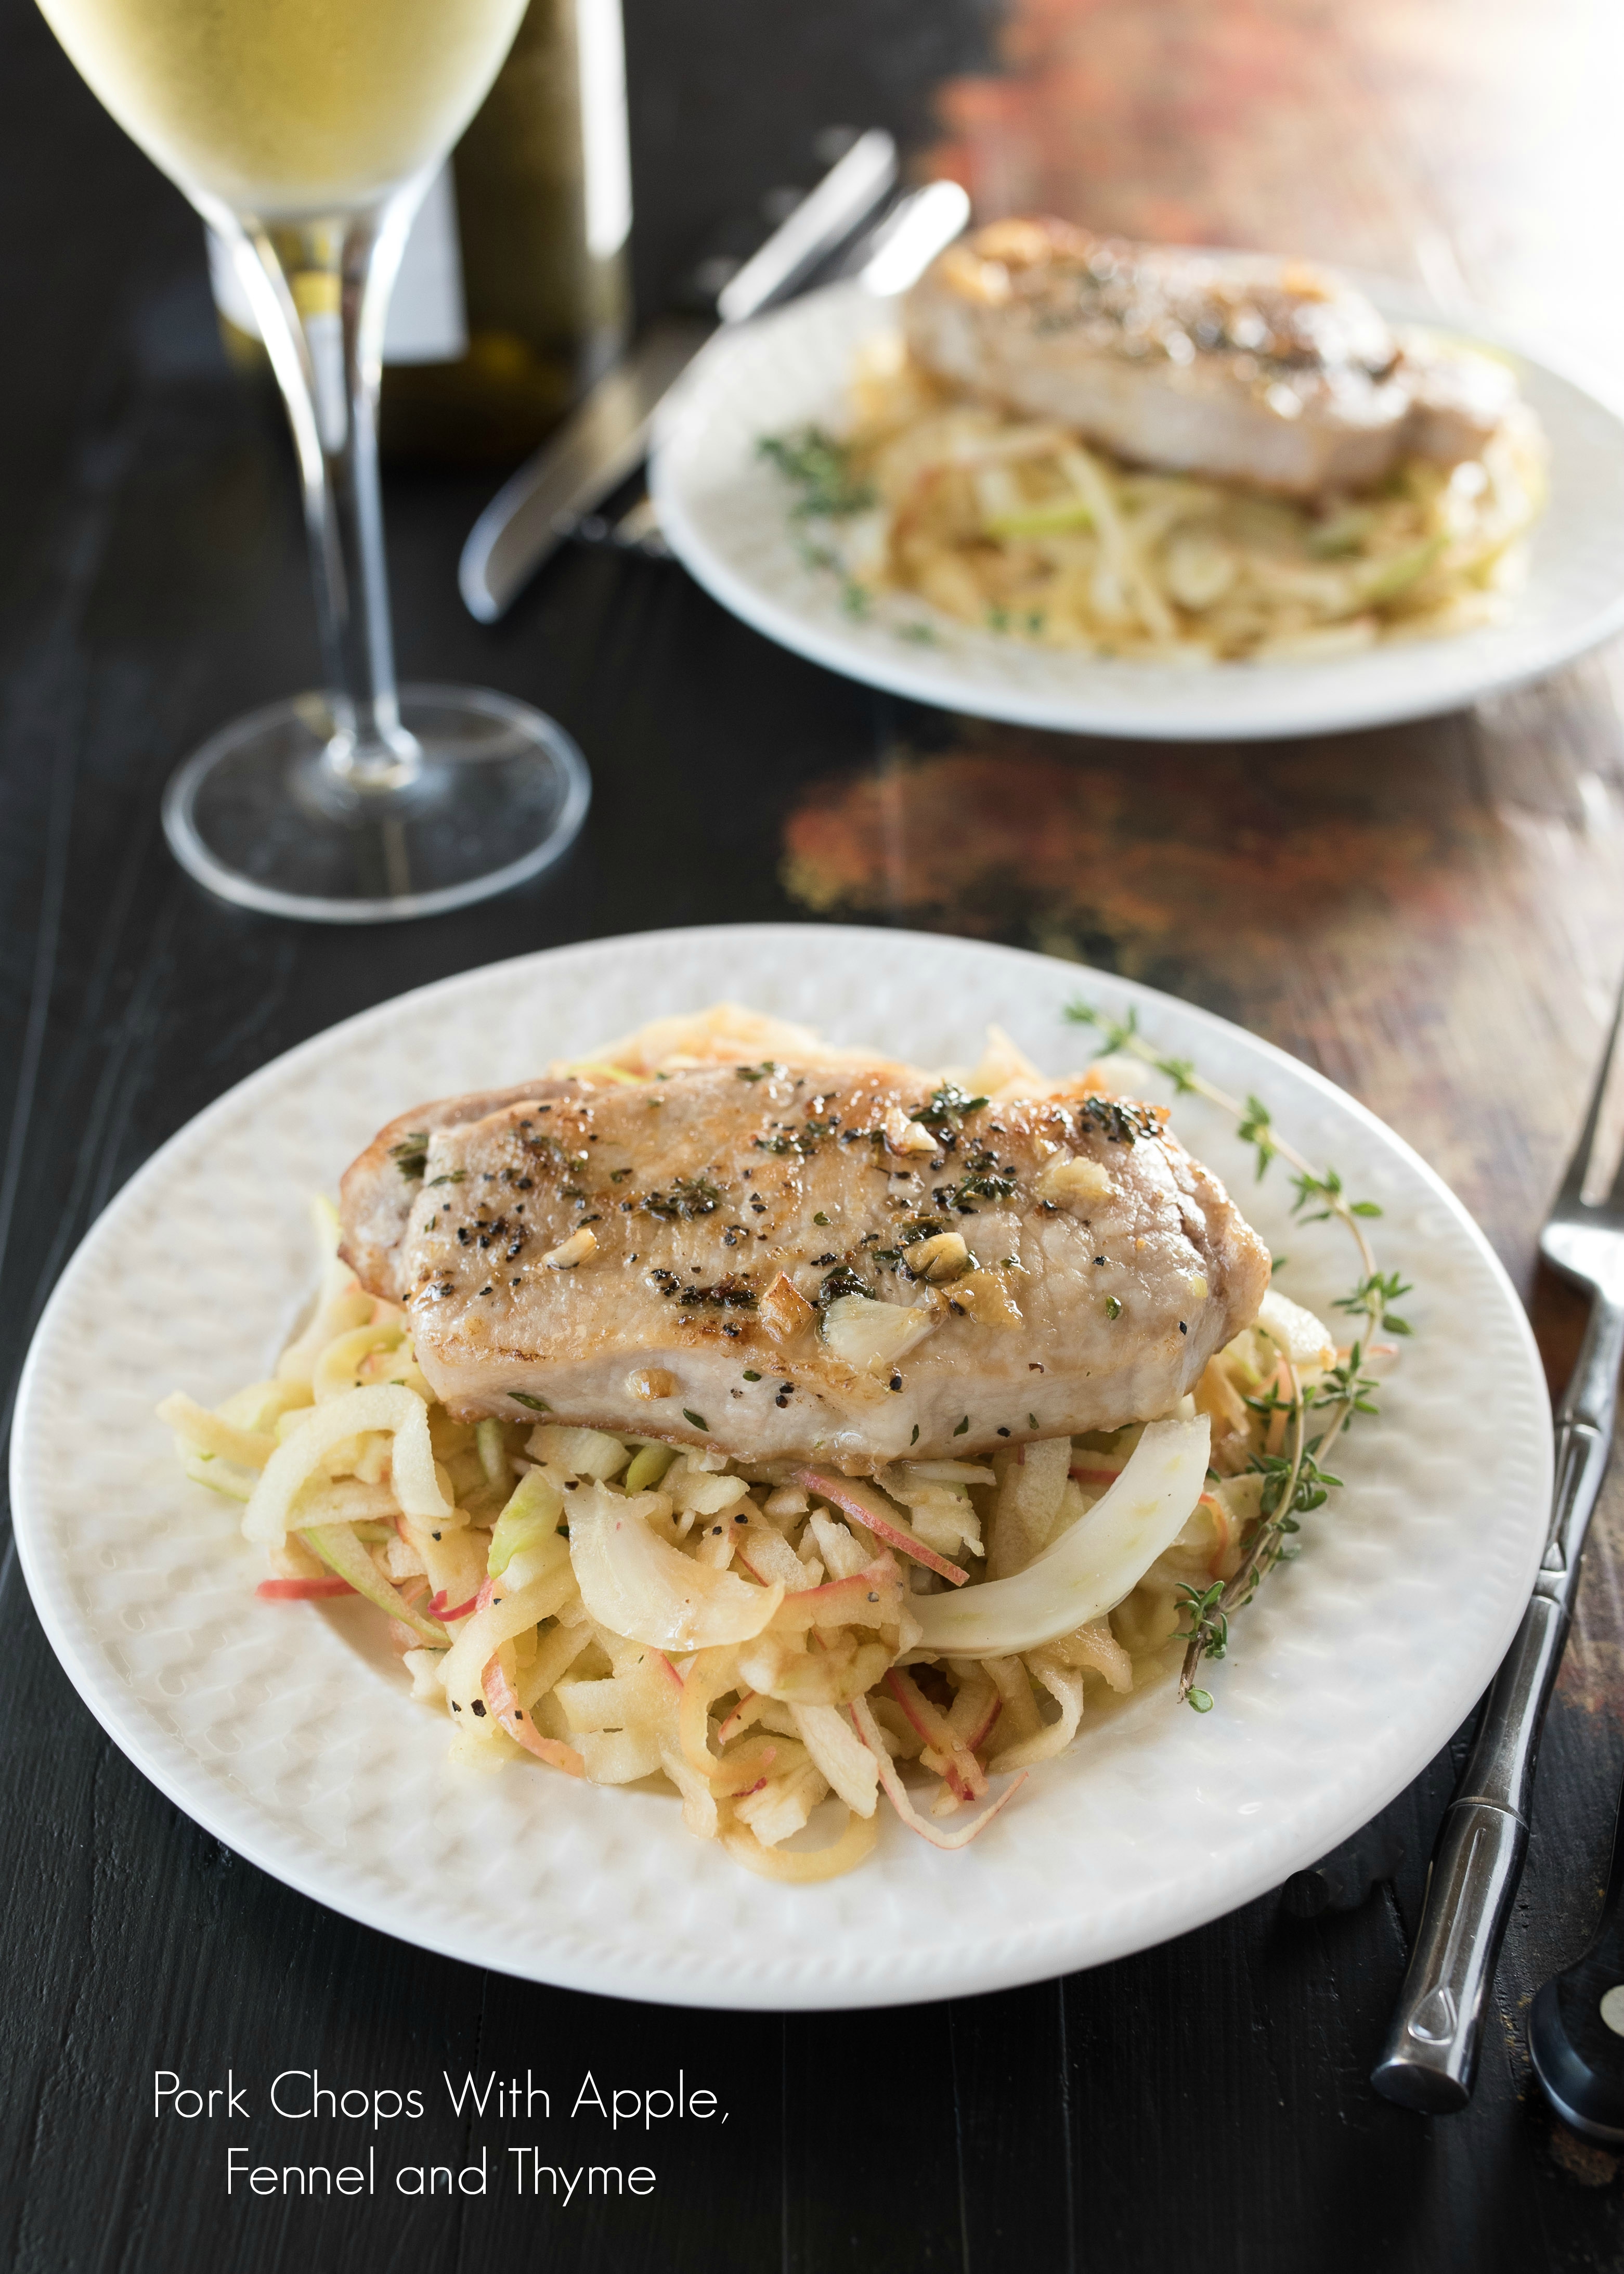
<point x="726" y="513"/>
<point x="288" y="1731"/>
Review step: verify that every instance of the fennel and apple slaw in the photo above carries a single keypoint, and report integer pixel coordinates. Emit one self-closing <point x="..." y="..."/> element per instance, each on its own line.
<point x="1017" y="525"/>
<point x="762" y="1636"/>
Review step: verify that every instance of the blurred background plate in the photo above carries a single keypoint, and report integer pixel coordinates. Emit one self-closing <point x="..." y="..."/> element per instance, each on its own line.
<point x="287" y="1731"/>
<point x="726" y="512"/>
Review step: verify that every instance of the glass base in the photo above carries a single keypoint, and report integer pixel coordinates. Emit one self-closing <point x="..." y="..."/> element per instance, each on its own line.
<point x="262" y="816"/>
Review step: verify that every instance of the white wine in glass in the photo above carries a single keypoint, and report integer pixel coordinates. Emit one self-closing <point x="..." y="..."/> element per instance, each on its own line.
<point x="305" y="132"/>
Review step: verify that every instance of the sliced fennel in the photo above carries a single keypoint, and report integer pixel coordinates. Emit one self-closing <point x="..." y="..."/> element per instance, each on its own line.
<point x="1090" y="1567"/>
<point x="531" y="1516"/>
<point x="341" y="1551"/>
<point x="641" y="1586"/>
<point x="380" y="1405"/>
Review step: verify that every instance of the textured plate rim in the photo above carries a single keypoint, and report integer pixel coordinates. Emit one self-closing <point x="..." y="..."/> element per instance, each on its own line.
<point x="1043" y="1951"/>
<point x="1332" y="706"/>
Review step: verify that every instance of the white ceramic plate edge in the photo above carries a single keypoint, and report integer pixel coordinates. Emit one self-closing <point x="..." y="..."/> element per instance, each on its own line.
<point x="1332" y="706"/>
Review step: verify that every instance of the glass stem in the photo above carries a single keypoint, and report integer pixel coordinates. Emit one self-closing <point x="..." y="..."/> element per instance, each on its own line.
<point x="321" y="291"/>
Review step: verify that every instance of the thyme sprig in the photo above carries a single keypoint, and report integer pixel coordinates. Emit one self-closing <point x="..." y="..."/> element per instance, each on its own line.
<point x="821" y="468"/>
<point x="1295" y="1479"/>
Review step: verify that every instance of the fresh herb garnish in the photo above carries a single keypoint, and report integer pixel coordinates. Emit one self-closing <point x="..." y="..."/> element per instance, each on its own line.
<point x="1372" y="1295"/>
<point x="821" y="468"/>
<point x="535" y="1405"/>
<point x="1295" y="1479"/>
<point x="452" y="1177"/>
<point x="698" y="1419"/>
<point x="762" y="1072"/>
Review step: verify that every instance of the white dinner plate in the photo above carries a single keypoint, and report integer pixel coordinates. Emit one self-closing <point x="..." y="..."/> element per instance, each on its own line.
<point x="287" y="1729"/>
<point x="726" y="513"/>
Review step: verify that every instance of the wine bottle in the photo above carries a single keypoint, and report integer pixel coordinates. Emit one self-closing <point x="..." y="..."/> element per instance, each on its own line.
<point x="513" y="292"/>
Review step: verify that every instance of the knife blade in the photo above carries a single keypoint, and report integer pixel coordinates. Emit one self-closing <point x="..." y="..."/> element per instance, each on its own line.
<point x="534" y="512"/>
<point x="607" y="435"/>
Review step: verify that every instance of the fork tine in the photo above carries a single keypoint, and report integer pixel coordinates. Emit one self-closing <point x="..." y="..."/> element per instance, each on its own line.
<point x="1572" y="1182"/>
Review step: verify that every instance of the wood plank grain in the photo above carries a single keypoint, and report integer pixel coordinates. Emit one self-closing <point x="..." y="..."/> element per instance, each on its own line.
<point x="1431" y="914"/>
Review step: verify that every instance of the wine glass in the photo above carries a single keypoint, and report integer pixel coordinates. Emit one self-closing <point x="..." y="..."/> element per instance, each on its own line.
<point x="305" y="132"/>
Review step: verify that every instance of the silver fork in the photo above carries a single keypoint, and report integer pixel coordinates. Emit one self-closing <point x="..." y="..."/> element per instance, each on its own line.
<point x="1429" y="2059"/>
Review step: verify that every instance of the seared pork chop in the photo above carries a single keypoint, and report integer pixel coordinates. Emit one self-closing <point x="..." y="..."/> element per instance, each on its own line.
<point x="834" y="1261"/>
<point x="1231" y="365"/>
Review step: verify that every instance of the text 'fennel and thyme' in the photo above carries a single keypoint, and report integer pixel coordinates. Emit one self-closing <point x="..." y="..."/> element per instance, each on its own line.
<point x="379" y="2160"/>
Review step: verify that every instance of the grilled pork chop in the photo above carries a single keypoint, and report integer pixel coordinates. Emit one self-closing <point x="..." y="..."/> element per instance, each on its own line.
<point x="844" y="1262"/>
<point x="1231" y="365"/>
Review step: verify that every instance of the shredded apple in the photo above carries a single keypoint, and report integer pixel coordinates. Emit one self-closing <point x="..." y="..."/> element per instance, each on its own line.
<point x="765" y="1638"/>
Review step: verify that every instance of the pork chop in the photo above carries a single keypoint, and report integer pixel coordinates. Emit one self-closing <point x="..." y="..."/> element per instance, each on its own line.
<point x="1231" y="365"/>
<point x="833" y="1261"/>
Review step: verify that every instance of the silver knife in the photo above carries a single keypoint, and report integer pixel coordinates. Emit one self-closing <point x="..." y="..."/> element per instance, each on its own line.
<point x="607" y="435"/>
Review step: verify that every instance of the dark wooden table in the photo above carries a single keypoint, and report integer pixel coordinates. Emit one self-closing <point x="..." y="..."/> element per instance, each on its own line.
<point x="1432" y="915"/>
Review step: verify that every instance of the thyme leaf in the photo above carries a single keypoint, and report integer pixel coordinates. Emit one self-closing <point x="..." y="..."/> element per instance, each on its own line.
<point x="821" y="468"/>
<point x="841" y="1281"/>
<point x="689" y="1197"/>
<point x="946" y="1105"/>
<point x="1118" y="1123"/>
<point x="410" y="1157"/>
<point x="1296" y="1481"/>
<point x="1372" y="1295"/>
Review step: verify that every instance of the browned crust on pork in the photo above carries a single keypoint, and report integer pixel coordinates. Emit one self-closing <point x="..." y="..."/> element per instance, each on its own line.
<point x="375" y="1197"/>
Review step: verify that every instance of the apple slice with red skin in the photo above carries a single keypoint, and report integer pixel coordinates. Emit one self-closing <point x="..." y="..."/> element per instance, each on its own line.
<point x="738" y="1719"/>
<point x="341" y="1552"/>
<point x="965" y="1775"/>
<point x="896" y="1793"/>
<point x="502" y="1698"/>
<point x="302" y="1591"/>
<point x="855" y="1500"/>
<point x="973" y="1742"/>
<point x="860" y="1600"/>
